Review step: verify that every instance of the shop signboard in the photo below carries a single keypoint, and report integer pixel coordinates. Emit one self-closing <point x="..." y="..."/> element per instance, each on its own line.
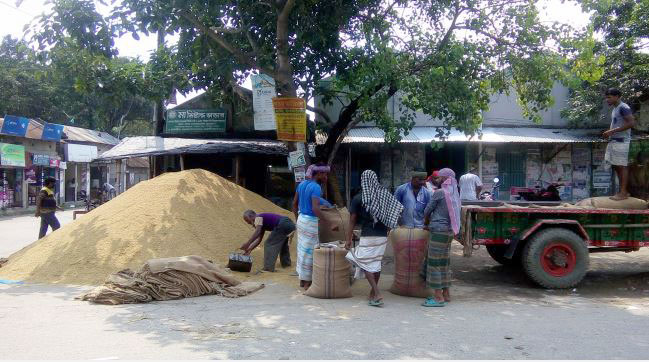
<point x="12" y="155"/>
<point x="52" y="132"/>
<point x="185" y="121"/>
<point x="290" y="115"/>
<point x="80" y="153"/>
<point x="15" y="126"/>
<point x="41" y="160"/>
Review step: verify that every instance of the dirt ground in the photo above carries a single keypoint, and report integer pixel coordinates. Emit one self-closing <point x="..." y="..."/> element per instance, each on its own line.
<point x="496" y="313"/>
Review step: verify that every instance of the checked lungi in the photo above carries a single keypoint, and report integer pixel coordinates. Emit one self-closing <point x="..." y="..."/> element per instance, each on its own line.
<point x="438" y="267"/>
<point x="307" y="239"/>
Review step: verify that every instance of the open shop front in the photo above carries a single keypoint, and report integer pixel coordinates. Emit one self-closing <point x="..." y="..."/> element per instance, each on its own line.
<point x="78" y="174"/>
<point x="12" y="163"/>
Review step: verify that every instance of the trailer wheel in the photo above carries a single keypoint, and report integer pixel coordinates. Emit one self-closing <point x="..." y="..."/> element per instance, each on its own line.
<point x="497" y="253"/>
<point x="556" y="258"/>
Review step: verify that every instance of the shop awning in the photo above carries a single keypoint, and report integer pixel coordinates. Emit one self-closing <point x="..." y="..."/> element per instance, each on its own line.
<point x="489" y="135"/>
<point x="153" y="146"/>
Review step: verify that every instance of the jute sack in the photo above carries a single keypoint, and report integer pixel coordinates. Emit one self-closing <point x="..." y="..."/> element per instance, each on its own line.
<point x="605" y="202"/>
<point x="410" y="251"/>
<point x="337" y="223"/>
<point x="331" y="272"/>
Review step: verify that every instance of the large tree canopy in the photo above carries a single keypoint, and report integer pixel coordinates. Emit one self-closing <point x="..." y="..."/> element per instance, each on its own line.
<point x="444" y="58"/>
<point x="619" y="59"/>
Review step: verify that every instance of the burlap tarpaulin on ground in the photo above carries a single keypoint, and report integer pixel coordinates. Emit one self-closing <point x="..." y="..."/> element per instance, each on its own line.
<point x="167" y="279"/>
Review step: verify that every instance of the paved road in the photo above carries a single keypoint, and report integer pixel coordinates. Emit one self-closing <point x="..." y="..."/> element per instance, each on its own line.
<point x="496" y="314"/>
<point x="20" y="231"/>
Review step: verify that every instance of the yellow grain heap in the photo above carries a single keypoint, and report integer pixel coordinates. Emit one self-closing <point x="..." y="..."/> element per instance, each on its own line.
<point x="192" y="212"/>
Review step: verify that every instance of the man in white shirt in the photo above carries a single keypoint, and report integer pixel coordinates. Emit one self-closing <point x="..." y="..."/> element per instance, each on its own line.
<point x="470" y="186"/>
<point x="619" y="135"/>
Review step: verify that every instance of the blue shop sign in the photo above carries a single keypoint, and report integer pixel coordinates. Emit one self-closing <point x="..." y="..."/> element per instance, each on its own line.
<point x="52" y="132"/>
<point x="15" y="126"/>
<point x="41" y="160"/>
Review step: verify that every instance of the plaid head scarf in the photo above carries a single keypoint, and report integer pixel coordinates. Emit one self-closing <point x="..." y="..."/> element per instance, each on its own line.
<point x="378" y="201"/>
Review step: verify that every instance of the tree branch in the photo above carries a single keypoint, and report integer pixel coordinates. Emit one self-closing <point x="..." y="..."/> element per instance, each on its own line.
<point x="223" y="43"/>
<point x="321" y="112"/>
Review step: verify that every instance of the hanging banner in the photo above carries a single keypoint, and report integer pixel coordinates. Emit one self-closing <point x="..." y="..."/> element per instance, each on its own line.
<point x="263" y="92"/>
<point x="80" y="153"/>
<point x="290" y="116"/>
<point x="41" y="160"/>
<point x="54" y="162"/>
<point x="12" y="155"/>
<point x="15" y="126"/>
<point x="52" y="132"/>
<point x="185" y="121"/>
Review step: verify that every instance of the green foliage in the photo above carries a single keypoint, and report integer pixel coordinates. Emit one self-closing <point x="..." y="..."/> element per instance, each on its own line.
<point x="68" y="82"/>
<point x="618" y="60"/>
<point x="443" y="58"/>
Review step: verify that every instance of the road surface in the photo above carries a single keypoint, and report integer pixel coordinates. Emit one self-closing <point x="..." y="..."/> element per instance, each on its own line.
<point x="496" y="313"/>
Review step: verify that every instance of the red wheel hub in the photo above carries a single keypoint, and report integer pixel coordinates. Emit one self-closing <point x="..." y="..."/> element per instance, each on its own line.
<point x="558" y="259"/>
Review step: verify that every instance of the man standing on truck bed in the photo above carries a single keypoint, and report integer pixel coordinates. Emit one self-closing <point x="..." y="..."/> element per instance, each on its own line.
<point x="619" y="135"/>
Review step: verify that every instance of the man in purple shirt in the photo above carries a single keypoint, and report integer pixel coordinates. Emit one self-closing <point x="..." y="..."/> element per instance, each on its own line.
<point x="277" y="242"/>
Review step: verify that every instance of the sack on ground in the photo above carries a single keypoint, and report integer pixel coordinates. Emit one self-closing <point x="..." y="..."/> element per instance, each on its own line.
<point x="331" y="272"/>
<point x="337" y="220"/>
<point x="410" y="251"/>
<point x="605" y="202"/>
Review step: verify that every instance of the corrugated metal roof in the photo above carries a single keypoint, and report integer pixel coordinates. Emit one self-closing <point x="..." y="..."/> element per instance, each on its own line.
<point x="138" y="162"/>
<point x="489" y="135"/>
<point x="151" y="146"/>
<point x="79" y="134"/>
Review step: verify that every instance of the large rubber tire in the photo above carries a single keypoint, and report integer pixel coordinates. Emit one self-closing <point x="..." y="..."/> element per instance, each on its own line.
<point x="497" y="253"/>
<point x="556" y="258"/>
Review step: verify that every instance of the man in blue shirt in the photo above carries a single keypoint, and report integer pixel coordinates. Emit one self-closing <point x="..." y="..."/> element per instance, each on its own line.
<point x="414" y="197"/>
<point x="619" y="135"/>
<point x="306" y="207"/>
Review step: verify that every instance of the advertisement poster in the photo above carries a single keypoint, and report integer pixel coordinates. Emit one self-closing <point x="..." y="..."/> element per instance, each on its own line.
<point x="290" y="116"/>
<point x="185" y="121"/>
<point x="263" y="92"/>
<point x="12" y="155"/>
<point x="15" y="126"/>
<point x="297" y="159"/>
<point x="300" y="174"/>
<point x="30" y="175"/>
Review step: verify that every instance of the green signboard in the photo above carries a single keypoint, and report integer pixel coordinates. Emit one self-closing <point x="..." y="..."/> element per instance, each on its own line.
<point x="12" y="155"/>
<point x="183" y="121"/>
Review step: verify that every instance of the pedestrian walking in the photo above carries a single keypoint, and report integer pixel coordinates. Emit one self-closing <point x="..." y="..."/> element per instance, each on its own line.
<point x="46" y="207"/>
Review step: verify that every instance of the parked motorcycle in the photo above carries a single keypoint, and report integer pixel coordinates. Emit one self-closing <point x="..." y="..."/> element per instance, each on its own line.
<point x="493" y="195"/>
<point x="551" y="193"/>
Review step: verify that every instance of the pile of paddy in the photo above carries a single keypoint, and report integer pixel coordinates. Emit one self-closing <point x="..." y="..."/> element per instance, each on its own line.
<point x="192" y="212"/>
